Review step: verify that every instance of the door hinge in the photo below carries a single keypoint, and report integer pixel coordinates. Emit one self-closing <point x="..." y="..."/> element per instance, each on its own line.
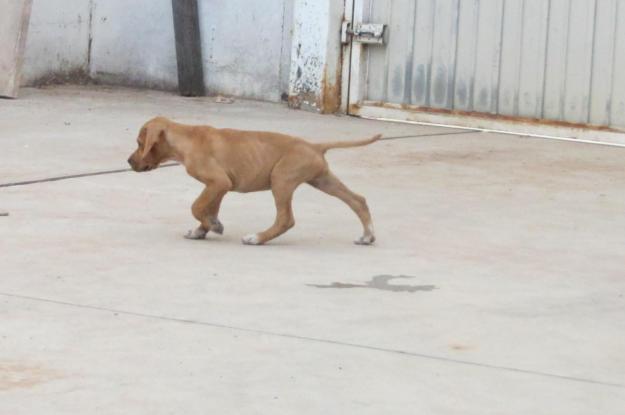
<point x="369" y="33"/>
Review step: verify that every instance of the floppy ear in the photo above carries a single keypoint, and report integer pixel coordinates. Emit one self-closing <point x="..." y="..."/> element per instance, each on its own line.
<point x="152" y="135"/>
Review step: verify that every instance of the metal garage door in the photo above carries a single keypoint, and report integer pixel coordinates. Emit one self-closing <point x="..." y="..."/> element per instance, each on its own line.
<point x="554" y="60"/>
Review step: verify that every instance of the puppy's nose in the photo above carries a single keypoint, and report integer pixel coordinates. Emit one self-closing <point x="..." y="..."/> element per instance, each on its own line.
<point x="130" y="161"/>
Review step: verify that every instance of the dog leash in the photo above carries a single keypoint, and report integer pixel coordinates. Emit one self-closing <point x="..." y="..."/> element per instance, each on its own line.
<point x="75" y="176"/>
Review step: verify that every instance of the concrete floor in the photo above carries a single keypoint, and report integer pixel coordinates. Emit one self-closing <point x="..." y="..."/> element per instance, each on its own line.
<point x="513" y="251"/>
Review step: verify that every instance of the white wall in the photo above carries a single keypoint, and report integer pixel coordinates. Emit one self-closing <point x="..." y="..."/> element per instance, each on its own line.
<point x="316" y="54"/>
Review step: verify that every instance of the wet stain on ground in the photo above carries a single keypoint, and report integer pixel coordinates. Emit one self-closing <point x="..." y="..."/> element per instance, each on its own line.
<point x="460" y="347"/>
<point x="15" y="375"/>
<point x="381" y="282"/>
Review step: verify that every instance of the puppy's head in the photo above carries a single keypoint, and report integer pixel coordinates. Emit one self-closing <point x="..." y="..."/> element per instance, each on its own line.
<point x="152" y="146"/>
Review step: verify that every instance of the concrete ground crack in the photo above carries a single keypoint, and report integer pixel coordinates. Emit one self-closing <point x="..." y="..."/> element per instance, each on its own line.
<point x="441" y="359"/>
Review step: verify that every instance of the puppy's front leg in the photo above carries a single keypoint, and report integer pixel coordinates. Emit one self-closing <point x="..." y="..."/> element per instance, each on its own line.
<point x="205" y="209"/>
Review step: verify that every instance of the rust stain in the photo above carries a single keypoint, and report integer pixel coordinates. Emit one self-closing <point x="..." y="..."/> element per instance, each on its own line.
<point x="353" y="109"/>
<point x="294" y="102"/>
<point x="330" y="99"/>
<point x="488" y="116"/>
<point x="305" y="100"/>
<point x="15" y="375"/>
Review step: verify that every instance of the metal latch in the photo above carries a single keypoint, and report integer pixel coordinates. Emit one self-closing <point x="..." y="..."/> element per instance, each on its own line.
<point x="369" y="33"/>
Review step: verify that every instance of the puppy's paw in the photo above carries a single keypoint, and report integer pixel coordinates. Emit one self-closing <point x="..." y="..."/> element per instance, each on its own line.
<point x="217" y="227"/>
<point x="365" y="240"/>
<point x="198" y="233"/>
<point x="251" y="239"/>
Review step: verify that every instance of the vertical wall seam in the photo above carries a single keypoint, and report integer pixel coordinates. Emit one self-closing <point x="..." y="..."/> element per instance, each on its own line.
<point x="281" y="50"/>
<point x="408" y="78"/>
<point x="451" y="88"/>
<point x="500" y="51"/>
<point x="416" y="19"/>
<point x="615" y="40"/>
<point x="365" y="86"/>
<point x="387" y="54"/>
<point x="592" y="62"/>
<point x="349" y="70"/>
<point x="539" y="86"/>
<point x="89" y="38"/>
<point x="546" y="57"/>
<point x="428" y="78"/>
<point x="517" y="91"/>
<point x="452" y="100"/>
<point x="563" y="84"/>
<point x="475" y="54"/>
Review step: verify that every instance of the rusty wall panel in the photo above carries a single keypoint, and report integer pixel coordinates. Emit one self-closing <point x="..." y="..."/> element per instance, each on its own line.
<point x="558" y="60"/>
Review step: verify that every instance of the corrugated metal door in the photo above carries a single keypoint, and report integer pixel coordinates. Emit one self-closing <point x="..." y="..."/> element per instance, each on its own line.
<point x="555" y="60"/>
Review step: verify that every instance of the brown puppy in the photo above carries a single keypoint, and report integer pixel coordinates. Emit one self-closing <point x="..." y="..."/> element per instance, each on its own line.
<point x="246" y="161"/>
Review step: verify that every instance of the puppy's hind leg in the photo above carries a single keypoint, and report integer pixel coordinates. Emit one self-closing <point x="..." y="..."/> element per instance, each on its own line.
<point x="331" y="185"/>
<point x="292" y="170"/>
<point x="283" y="195"/>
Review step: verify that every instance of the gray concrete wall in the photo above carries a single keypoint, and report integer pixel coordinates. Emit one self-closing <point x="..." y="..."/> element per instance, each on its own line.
<point x="133" y="43"/>
<point x="58" y="40"/>
<point x="243" y="44"/>
<point x="111" y="41"/>
<point x="247" y="45"/>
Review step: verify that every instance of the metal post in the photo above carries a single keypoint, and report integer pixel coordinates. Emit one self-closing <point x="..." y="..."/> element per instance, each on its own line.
<point x="188" y="47"/>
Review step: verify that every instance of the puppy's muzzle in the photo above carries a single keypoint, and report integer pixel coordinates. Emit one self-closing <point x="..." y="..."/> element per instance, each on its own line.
<point x="133" y="164"/>
<point x="139" y="167"/>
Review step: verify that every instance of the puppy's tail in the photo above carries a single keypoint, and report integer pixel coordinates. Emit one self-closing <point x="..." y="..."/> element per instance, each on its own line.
<point x="347" y="144"/>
